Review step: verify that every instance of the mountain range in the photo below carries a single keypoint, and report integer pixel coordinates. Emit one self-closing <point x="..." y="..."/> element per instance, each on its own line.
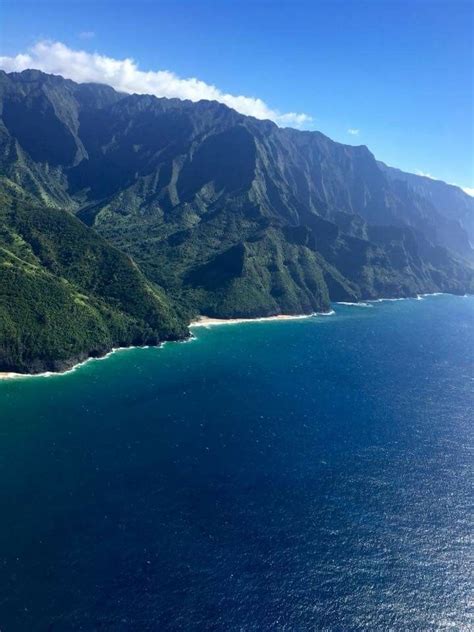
<point x="123" y="217"/>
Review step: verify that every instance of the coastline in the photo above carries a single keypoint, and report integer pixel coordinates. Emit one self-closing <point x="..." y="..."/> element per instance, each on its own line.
<point x="11" y="375"/>
<point x="206" y="321"/>
<point x="203" y="321"/>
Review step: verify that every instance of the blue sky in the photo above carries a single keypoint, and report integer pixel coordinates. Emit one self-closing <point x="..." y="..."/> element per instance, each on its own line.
<point x="399" y="75"/>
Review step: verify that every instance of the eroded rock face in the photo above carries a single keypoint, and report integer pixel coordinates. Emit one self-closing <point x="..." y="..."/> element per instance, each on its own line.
<point x="228" y="214"/>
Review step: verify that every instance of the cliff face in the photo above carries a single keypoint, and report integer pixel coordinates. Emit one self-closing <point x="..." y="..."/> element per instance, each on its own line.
<point x="228" y="214"/>
<point x="451" y="210"/>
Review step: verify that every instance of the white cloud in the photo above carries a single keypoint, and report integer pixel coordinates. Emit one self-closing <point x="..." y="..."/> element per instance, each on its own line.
<point x="86" y="35"/>
<point x="425" y="175"/>
<point x="125" y="76"/>
<point x="353" y="132"/>
<point x="468" y="190"/>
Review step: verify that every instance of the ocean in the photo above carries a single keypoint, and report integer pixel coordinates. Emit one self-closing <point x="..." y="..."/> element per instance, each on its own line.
<point x="312" y="474"/>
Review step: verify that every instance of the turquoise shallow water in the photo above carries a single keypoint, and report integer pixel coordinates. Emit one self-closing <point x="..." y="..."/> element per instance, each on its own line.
<point x="301" y="475"/>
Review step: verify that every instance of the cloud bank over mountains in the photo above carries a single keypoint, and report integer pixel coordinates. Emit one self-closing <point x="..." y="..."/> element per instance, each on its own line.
<point x="125" y="76"/>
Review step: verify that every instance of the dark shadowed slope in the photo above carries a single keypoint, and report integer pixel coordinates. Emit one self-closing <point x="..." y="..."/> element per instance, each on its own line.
<point x="230" y="215"/>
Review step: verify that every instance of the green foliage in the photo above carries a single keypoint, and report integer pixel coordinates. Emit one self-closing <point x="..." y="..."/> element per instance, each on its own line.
<point x="200" y="210"/>
<point x="66" y="294"/>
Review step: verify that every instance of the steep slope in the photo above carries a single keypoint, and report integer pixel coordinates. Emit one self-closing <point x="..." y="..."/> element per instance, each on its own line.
<point x="230" y="215"/>
<point x="448" y="201"/>
<point x="65" y="294"/>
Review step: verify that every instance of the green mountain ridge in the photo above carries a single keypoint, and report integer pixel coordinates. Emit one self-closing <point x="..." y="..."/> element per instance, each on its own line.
<point x="65" y="294"/>
<point x="223" y="214"/>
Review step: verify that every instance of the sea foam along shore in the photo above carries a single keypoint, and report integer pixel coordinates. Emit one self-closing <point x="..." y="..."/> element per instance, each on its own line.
<point x="9" y="375"/>
<point x="361" y="304"/>
<point x="206" y="321"/>
<point x="418" y="297"/>
<point x="203" y="321"/>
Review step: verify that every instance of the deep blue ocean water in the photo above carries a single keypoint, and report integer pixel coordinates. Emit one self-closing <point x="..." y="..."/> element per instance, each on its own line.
<point x="302" y="475"/>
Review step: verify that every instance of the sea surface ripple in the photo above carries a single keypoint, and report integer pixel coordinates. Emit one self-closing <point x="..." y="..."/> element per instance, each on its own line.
<point x="313" y="474"/>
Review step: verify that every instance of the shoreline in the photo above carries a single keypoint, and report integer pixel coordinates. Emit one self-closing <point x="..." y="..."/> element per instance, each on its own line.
<point x="11" y="375"/>
<point x="206" y="321"/>
<point x="203" y="321"/>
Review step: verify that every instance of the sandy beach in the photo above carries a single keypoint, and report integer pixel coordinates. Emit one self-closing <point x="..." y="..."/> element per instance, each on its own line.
<point x="205" y="321"/>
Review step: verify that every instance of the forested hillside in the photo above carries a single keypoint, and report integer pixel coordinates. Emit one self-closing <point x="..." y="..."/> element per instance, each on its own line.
<point x="191" y="208"/>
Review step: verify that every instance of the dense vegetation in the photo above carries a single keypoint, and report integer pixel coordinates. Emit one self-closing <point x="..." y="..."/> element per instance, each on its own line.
<point x="65" y="294"/>
<point x="221" y="214"/>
